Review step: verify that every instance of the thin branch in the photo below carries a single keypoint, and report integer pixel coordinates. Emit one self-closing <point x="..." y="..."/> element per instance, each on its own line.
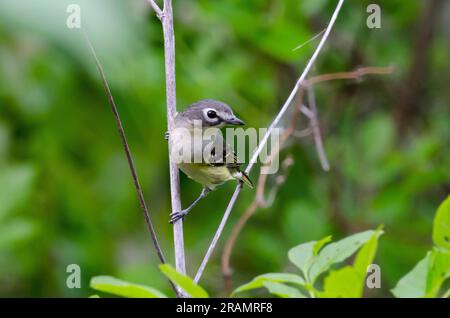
<point x="356" y="74"/>
<point x="171" y="103"/>
<point x="294" y="91"/>
<point x="156" y="8"/>
<point x="302" y="133"/>
<point x="259" y="201"/>
<point x="266" y="137"/>
<point x="315" y="126"/>
<point x="127" y="150"/>
<point x="218" y="233"/>
<point x="306" y="111"/>
<point x="310" y="40"/>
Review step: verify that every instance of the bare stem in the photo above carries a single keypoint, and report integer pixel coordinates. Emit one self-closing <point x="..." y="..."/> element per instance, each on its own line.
<point x="156" y="8"/>
<point x="315" y="126"/>
<point x="166" y="17"/>
<point x="169" y="57"/>
<point x="356" y="74"/>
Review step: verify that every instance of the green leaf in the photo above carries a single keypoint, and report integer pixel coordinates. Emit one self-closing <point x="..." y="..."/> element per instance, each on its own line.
<point x="367" y="253"/>
<point x="342" y="283"/>
<point x="186" y="283"/>
<point x="438" y="271"/>
<point x="261" y="280"/>
<point x="302" y="256"/>
<point x="282" y="290"/>
<point x="427" y="277"/>
<point x="337" y="252"/>
<point x="414" y="283"/>
<point x="441" y="225"/>
<point x="122" y="288"/>
<point x="349" y="281"/>
<point x="320" y="243"/>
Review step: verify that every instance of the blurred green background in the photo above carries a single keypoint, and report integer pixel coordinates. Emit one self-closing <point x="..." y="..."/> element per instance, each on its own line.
<point x="66" y="194"/>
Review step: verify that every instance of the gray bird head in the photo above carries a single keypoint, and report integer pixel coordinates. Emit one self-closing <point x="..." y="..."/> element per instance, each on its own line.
<point x="211" y="113"/>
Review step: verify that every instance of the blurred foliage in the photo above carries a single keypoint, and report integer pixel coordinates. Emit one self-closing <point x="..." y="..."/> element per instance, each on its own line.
<point x="66" y="195"/>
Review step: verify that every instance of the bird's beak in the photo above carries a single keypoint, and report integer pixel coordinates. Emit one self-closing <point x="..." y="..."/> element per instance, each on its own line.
<point x="235" y="121"/>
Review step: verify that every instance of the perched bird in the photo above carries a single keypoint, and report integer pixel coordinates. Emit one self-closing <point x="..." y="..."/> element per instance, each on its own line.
<point x="216" y="162"/>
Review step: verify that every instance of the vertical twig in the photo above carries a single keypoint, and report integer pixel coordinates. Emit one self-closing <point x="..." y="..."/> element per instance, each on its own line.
<point x="166" y="17"/>
<point x="316" y="130"/>
<point x="265" y="138"/>
<point x="169" y="58"/>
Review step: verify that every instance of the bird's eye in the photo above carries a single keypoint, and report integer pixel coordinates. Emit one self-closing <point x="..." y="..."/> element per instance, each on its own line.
<point x="211" y="114"/>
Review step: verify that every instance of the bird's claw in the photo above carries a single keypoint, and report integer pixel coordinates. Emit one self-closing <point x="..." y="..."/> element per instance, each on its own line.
<point x="166" y="135"/>
<point x="175" y="216"/>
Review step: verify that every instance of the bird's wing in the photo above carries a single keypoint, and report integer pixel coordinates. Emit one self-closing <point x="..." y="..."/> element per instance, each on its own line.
<point x="224" y="156"/>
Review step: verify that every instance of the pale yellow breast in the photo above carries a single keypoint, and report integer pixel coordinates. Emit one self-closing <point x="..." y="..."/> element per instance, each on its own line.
<point x="208" y="176"/>
<point x="188" y="150"/>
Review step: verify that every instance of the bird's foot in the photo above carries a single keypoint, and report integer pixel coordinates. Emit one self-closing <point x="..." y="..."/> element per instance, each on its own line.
<point x="175" y="216"/>
<point x="166" y="135"/>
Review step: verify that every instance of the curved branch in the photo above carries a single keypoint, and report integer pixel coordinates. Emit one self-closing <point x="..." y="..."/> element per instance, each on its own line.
<point x="356" y="74"/>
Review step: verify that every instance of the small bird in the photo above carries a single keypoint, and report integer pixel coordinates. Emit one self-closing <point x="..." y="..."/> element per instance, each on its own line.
<point x="217" y="164"/>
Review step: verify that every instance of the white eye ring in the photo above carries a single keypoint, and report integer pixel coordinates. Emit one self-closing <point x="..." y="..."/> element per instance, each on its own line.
<point x="210" y="115"/>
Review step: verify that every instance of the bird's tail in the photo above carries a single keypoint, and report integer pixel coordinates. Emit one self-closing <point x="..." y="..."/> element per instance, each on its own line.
<point x="246" y="180"/>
